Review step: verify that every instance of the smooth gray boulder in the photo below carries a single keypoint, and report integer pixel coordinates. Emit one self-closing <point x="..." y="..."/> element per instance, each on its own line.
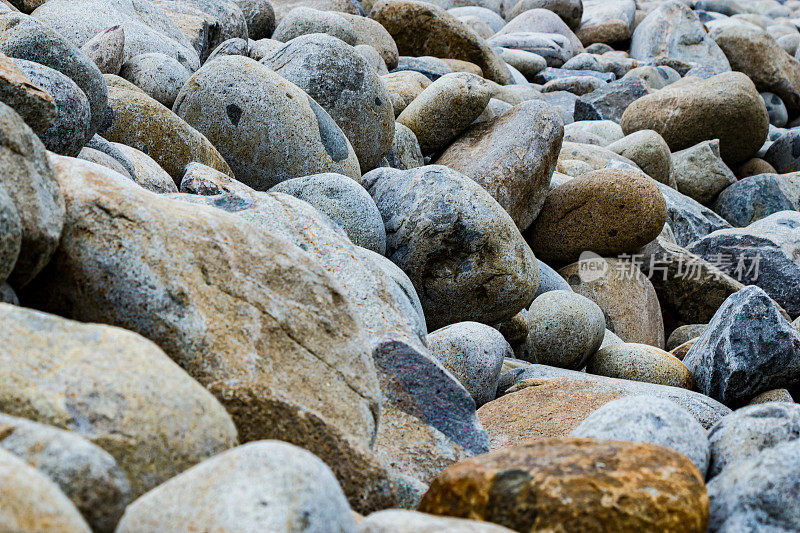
<point x="107" y="49"/>
<point x="160" y="76"/>
<point x="304" y="20"/>
<point x="610" y="101"/>
<point x="10" y="235"/>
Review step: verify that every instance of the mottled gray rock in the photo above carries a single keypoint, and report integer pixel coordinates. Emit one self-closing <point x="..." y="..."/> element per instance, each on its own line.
<point x="759" y="494"/>
<point x="158" y="75"/>
<point x="463" y="252"/>
<point x="598" y="132"/>
<point x="640" y="362"/>
<point x="404" y="152"/>
<point x="32" y="103"/>
<point x="685" y="333"/>
<point x="264" y="485"/>
<point x="543" y="21"/>
<point x="549" y="280"/>
<point x="445" y="109"/>
<point x="235" y="47"/>
<point x="304" y="20"/>
<point x="345" y="202"/>
<point x="784" y="153"/>
<point x="649" y="151"/>
<point x="673" y="30"/>
<point x="432" y="68"/>
<point x="578" y="85"/>
<point x="33" y="503"/>
<point x="260" y="17"/>
<point x="550" y="74"/>
<point x="766" y="253"/>
<point x="555" y="48"/>
<point x="372" y="33"/>
<point x="512" y="156"/>
<point x="10" y="235"/>
<point x="747" y="348"/>
<point x="689" y="219"/>
<point x="700" y="172"/>
<point x="474" y="354"/>
<point x="341" y="81"/>
<point x="778" y="115"/>
<point x="649" y="419"/>
<point x="96" y="156"/>
<point x="24" y="37"/>
<point x="266" y="128"/>
<point x="755" y="197"/>
<point x="30" y="183"/>
<point x="743" y="434"/>
<point x="111" y="150"/>
<point x="70" y="130"/>
<point x="147" y="173"/>
<point x="107" y="49"/>
<point x="610" y="101"/>
<point x="373" y="58"/>
<point x="706" y="410"/>
<point x="87" y="474"/>
<point x="565" y="329"/>
<point x="656" y="77"/>
<point x="205" y="181"/>
<point x="403" y="521"/>
<point x="570" y="11"/>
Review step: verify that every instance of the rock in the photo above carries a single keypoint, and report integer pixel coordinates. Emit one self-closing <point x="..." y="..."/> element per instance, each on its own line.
<point x="70" y="129"/>
<point x="578" y="158"/>
<point x="605" y="21"/>
<point x="577" y="85"/>
<point x="372" y="33"/>
<point x="304" y="20"/>
<point x="528" y="63"/>
<point x="755" y="197"/>
<point x="431" y="67"/>
<point x="474" y="353"/>
<point x="236" y="47"/>
<point x="752" y="167"/>
<point x="549" y="280"/>
<point x="445" y="109"/>
<point x="610" y="101"/>
<point x="565" y="329"/>
<point x="758" y="494"/>
<point x="640" y="362"/>
<point x="142" y="123"/>
<point x="564" y="103"/>
<point x="781" y="153"/>
<point x="264" y="369"/>
<point x="725" y="107"/>
<point x="23" y="37"/>
<point x="555" y="48"/>
<point x="485" y="15"/>
<point x="34" y="104"/>
<point x="599" y="132"/>
<point x="266" y="128"/>
<point x="158" y="75"/>
<point x="344" y="85"/>
<point x="655" y="77"/>
<point x="31" y="186"/>
<point x="202" y="180"/>
<point x="512" y="156"/>
<point x="113" y="151"/>
<point x="107" y="49"/>
<point x="456" y="243"/>
<point x="260" y="17"/>
<point x="149" y="415"/>
<point x="673" y="30"/>
<point x="745" y="433"/>
<point x="662" y="488"/>
<point x="700" y="173"/>
<point x="87" y="474"/>
<point x="404" y="152"/>
<point x="402" y="521"/>
<point x="147" y="172"/>
<point x="261" y="485"/>
<point x="689" y="219"/>
<point x="706" y="410"/>
<point x="765" y="253"/>
<point x="747" y="348"/>
<point x="774" y="395"/>
<point x="649" y="151"/>
<point x="550" y="74"/>
<point x="776" y="109"/>
<point x="626" y="297"/>
<point x="404" y="86"/>
<point x="421" y="29"/>
<point x="754" y="52"/>
<point x="93" y="155"/>
<point x="10" y="235"/>
<point x="649" y="419"/>
<point x="606" y="211"/>
<point x="542" y="21"/>
<point x="345" y="202"/>
<point x="33" y="503"/>
<point x="374" y="60"/>
<point x="282" y="7"/>
<point x="684" y="333"/>
<point x="570" y="11"/>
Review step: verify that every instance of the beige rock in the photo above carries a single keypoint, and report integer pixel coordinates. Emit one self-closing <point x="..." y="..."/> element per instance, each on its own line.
<point x="404" y="86"/>
<point x="640" y="362"/>
<point x="148" y="174"/>
<point x="107" y="49"/>
<point x="31" y="102"/>
<point x="401" y="521"/>
<point x="650" y="152"/>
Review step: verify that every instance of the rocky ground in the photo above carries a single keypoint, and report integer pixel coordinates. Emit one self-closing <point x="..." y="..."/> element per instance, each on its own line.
<point x="391" y="266"/>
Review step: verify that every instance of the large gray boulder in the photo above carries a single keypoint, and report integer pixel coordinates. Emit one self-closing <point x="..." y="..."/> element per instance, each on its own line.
<point x="689" y="219"/>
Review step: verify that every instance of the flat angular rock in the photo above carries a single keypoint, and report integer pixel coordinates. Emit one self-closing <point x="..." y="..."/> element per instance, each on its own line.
<point x="783" y="153"/>
<point x="610" y="101"/>
<point x="747" y="348"/>
<point x="700" y="173"/>
<point x="756" y="197"/>
<point x="689" y="219"/>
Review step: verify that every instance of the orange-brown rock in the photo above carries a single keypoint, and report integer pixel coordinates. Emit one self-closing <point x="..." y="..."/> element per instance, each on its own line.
<point x="575" y="485"/>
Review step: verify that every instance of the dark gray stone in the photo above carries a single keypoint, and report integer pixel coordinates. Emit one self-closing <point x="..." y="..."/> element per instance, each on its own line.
<point x="70" y="130"/>
<point x="758" y="495"/>
<point x="10" y="235"/>
<point x="100" y="144"/>
<point x="610" y="101"/>
<point x="784" y="153"/>
<point x="756" y="197"/>
<point x="766" y="253"/>
<point x="744" y="433"/>
<point x="550" y="74"/>
<point x="564" y="102"/>
<point x="424" y="389"/>
<point x="747" y="348"/>
<point x="689" y="219"/>
<point x="778" y="115"/>
<point x="7" y="295"/>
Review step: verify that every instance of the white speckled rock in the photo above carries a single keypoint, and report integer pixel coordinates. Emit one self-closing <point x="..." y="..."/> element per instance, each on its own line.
<point x="159" y="75"/>
<point x="107" y="49"/>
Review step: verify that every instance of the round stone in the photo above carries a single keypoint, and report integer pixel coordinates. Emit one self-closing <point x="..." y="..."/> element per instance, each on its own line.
<point x="640" y="362"/>
<point x="158" y="75"/>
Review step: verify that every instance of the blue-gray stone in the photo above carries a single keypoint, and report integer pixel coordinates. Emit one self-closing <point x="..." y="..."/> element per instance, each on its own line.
<point x="758" y="495"/>
<point x="550" y="280"/>
<point x="756" y="197"/>
<point x="551" y="73"/>
<point x="747" y="348"/>
<point x="689" y="219"/>
<point x="784" y="153"/>
<point x="766" y="253"/>
<point x="432" y="67"/>
<point x="778" y="115"/>
<point x="610" y="101"/>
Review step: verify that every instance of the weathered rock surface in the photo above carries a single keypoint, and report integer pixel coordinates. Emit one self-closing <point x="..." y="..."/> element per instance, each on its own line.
<point x="31" y="102"/>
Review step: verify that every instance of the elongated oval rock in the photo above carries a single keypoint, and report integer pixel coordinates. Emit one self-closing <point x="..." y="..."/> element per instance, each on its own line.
<point x="265" y="127"/>
<point x="725" y="107"/>
<point x="460" y="248"/>
<point x="604" y="211"/>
